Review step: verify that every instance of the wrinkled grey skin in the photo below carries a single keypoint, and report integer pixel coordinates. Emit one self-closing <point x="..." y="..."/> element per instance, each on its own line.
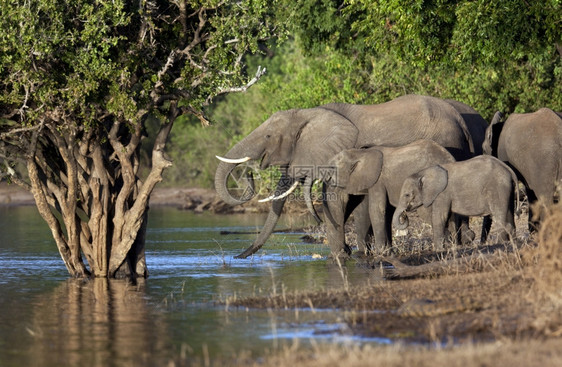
<point x="309" y="137"/>
<point x="475" y="123"/>
<point x="531" y="144"/>
<point x="380" y="172"/>
<point x="480" y="186"/>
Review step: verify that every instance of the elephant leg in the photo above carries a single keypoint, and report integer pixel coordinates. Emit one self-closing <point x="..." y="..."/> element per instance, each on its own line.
<point x="335" y="206"/>
<point x="467" y="235"/>
<point x="439" y="220"/>
<point x="381" y="220"/>
<point x="511" y="216"/>
<point x="486" y="225"/>
<point x="503" y="229"/>
<point x="354" y="204"/>
<point x="459" y="230"/>
<point x="504" y="217"/>
<point x="452" y="231"/>
<point x="362" y="226"/>
<point x="534" y="211"/>
<point x="510" y="225"/>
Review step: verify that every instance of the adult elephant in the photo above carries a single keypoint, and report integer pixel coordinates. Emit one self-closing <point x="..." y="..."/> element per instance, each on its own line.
<point x="475" y="123"/>
<point x="301" y="141"/>
<point x="531" y="143"/>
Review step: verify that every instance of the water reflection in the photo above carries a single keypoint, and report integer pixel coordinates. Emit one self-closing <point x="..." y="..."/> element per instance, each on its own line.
<point x="47" y="319"/>
<point x="95" y="323"/>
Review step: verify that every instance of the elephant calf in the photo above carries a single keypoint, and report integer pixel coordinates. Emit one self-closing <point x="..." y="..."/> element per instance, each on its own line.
<point x="378" y="172"/>
<point x="480" y="186"/>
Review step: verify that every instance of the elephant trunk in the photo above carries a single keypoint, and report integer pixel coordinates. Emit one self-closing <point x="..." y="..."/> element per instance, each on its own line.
<point x="239" y="153"/>
<point x="400" y="219"/>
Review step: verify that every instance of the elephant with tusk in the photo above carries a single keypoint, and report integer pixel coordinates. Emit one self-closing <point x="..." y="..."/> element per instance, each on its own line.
<point x="301" y="142"/>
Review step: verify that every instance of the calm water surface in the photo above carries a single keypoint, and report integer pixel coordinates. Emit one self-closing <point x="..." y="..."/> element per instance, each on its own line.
<point x="47" y="319"/>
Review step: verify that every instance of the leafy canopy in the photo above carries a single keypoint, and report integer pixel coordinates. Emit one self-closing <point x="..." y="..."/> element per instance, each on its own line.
<point x="87" y="59"/>
<point x="493" y="55"/>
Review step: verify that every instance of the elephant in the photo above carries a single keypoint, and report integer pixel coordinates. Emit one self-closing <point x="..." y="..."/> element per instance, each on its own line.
<point x="475" y="123"/>
<point x="531" y="144"/>
<point x="301" y="141"/>
<point x="480" y="186"/>
<point x="379" y="172"/>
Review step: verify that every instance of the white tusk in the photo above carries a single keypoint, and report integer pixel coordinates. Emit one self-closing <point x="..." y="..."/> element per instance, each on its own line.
<point x="285" y="194"/>
<point x="239" y="160"/>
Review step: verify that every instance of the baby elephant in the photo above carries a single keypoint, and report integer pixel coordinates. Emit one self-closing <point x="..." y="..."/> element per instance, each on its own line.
<point x="378" y="172"/>
<point x="480" y="186"/>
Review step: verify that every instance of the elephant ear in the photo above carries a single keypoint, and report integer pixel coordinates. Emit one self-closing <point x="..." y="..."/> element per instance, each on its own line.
<point x="432" y="182"/>
<point x="324" y="134"/>
<point x="365" y="171"/>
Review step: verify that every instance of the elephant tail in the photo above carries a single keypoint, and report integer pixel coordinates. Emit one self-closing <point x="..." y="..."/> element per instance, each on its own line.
<point x="468" y="137"/>
<point x="518" y="210"/>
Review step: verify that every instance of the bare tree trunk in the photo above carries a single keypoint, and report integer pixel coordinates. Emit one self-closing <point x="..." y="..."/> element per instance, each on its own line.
<point x="92" y="198"/>
<point x="75" y="268"/>
<point x="128" y="224"/>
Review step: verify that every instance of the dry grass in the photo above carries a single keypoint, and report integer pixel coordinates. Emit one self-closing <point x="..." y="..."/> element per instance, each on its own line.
<point x="501" y="353"/>
<point x="549" y="264"/>
<point x="503" y="306"/>
<point x="544" y="353"/>
<point x="547" y="273"/>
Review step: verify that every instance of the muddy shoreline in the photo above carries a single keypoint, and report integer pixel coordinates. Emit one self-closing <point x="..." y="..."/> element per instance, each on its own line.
<point x="187" y="198"/>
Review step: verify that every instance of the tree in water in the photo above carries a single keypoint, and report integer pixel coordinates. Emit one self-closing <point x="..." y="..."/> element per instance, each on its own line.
<point x="80" y="79"/>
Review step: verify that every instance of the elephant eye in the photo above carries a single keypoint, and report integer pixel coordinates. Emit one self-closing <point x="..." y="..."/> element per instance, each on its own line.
<point x="268" y="136"/>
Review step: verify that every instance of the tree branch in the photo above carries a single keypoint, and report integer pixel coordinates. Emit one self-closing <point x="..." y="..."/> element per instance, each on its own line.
<point x="134" y="217"/>
<point x="259" y="73"/>
<point x="20" y="130"/>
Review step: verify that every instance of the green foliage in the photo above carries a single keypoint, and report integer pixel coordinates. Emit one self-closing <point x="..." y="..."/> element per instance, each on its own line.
<point x="317" y="24"/>
<point x="415" y="30"/>
<point x="293" y="80"/>
<point x="309" y="81"/>
<point x="489" y="32"/>
<point x="85" y="59"/>
<point x="502" y="54"/>
<point x="453" y="31"/>
<point x="59" y="55"/>
<point x="492" y="55"/>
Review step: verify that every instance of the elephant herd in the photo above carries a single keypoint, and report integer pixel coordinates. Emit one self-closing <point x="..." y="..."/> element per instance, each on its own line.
<point x="383" y="161"/>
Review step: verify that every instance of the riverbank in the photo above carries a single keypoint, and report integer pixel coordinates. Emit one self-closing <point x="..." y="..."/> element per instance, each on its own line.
<point x="480" y="305"/>
<point x="186" y="198"/>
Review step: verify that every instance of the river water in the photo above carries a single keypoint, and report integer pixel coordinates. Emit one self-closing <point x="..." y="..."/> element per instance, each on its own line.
<point x="47" y="319"/>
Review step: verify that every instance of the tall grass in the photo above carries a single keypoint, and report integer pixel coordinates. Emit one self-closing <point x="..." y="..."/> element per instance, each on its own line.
<point x="548" y="272"/>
